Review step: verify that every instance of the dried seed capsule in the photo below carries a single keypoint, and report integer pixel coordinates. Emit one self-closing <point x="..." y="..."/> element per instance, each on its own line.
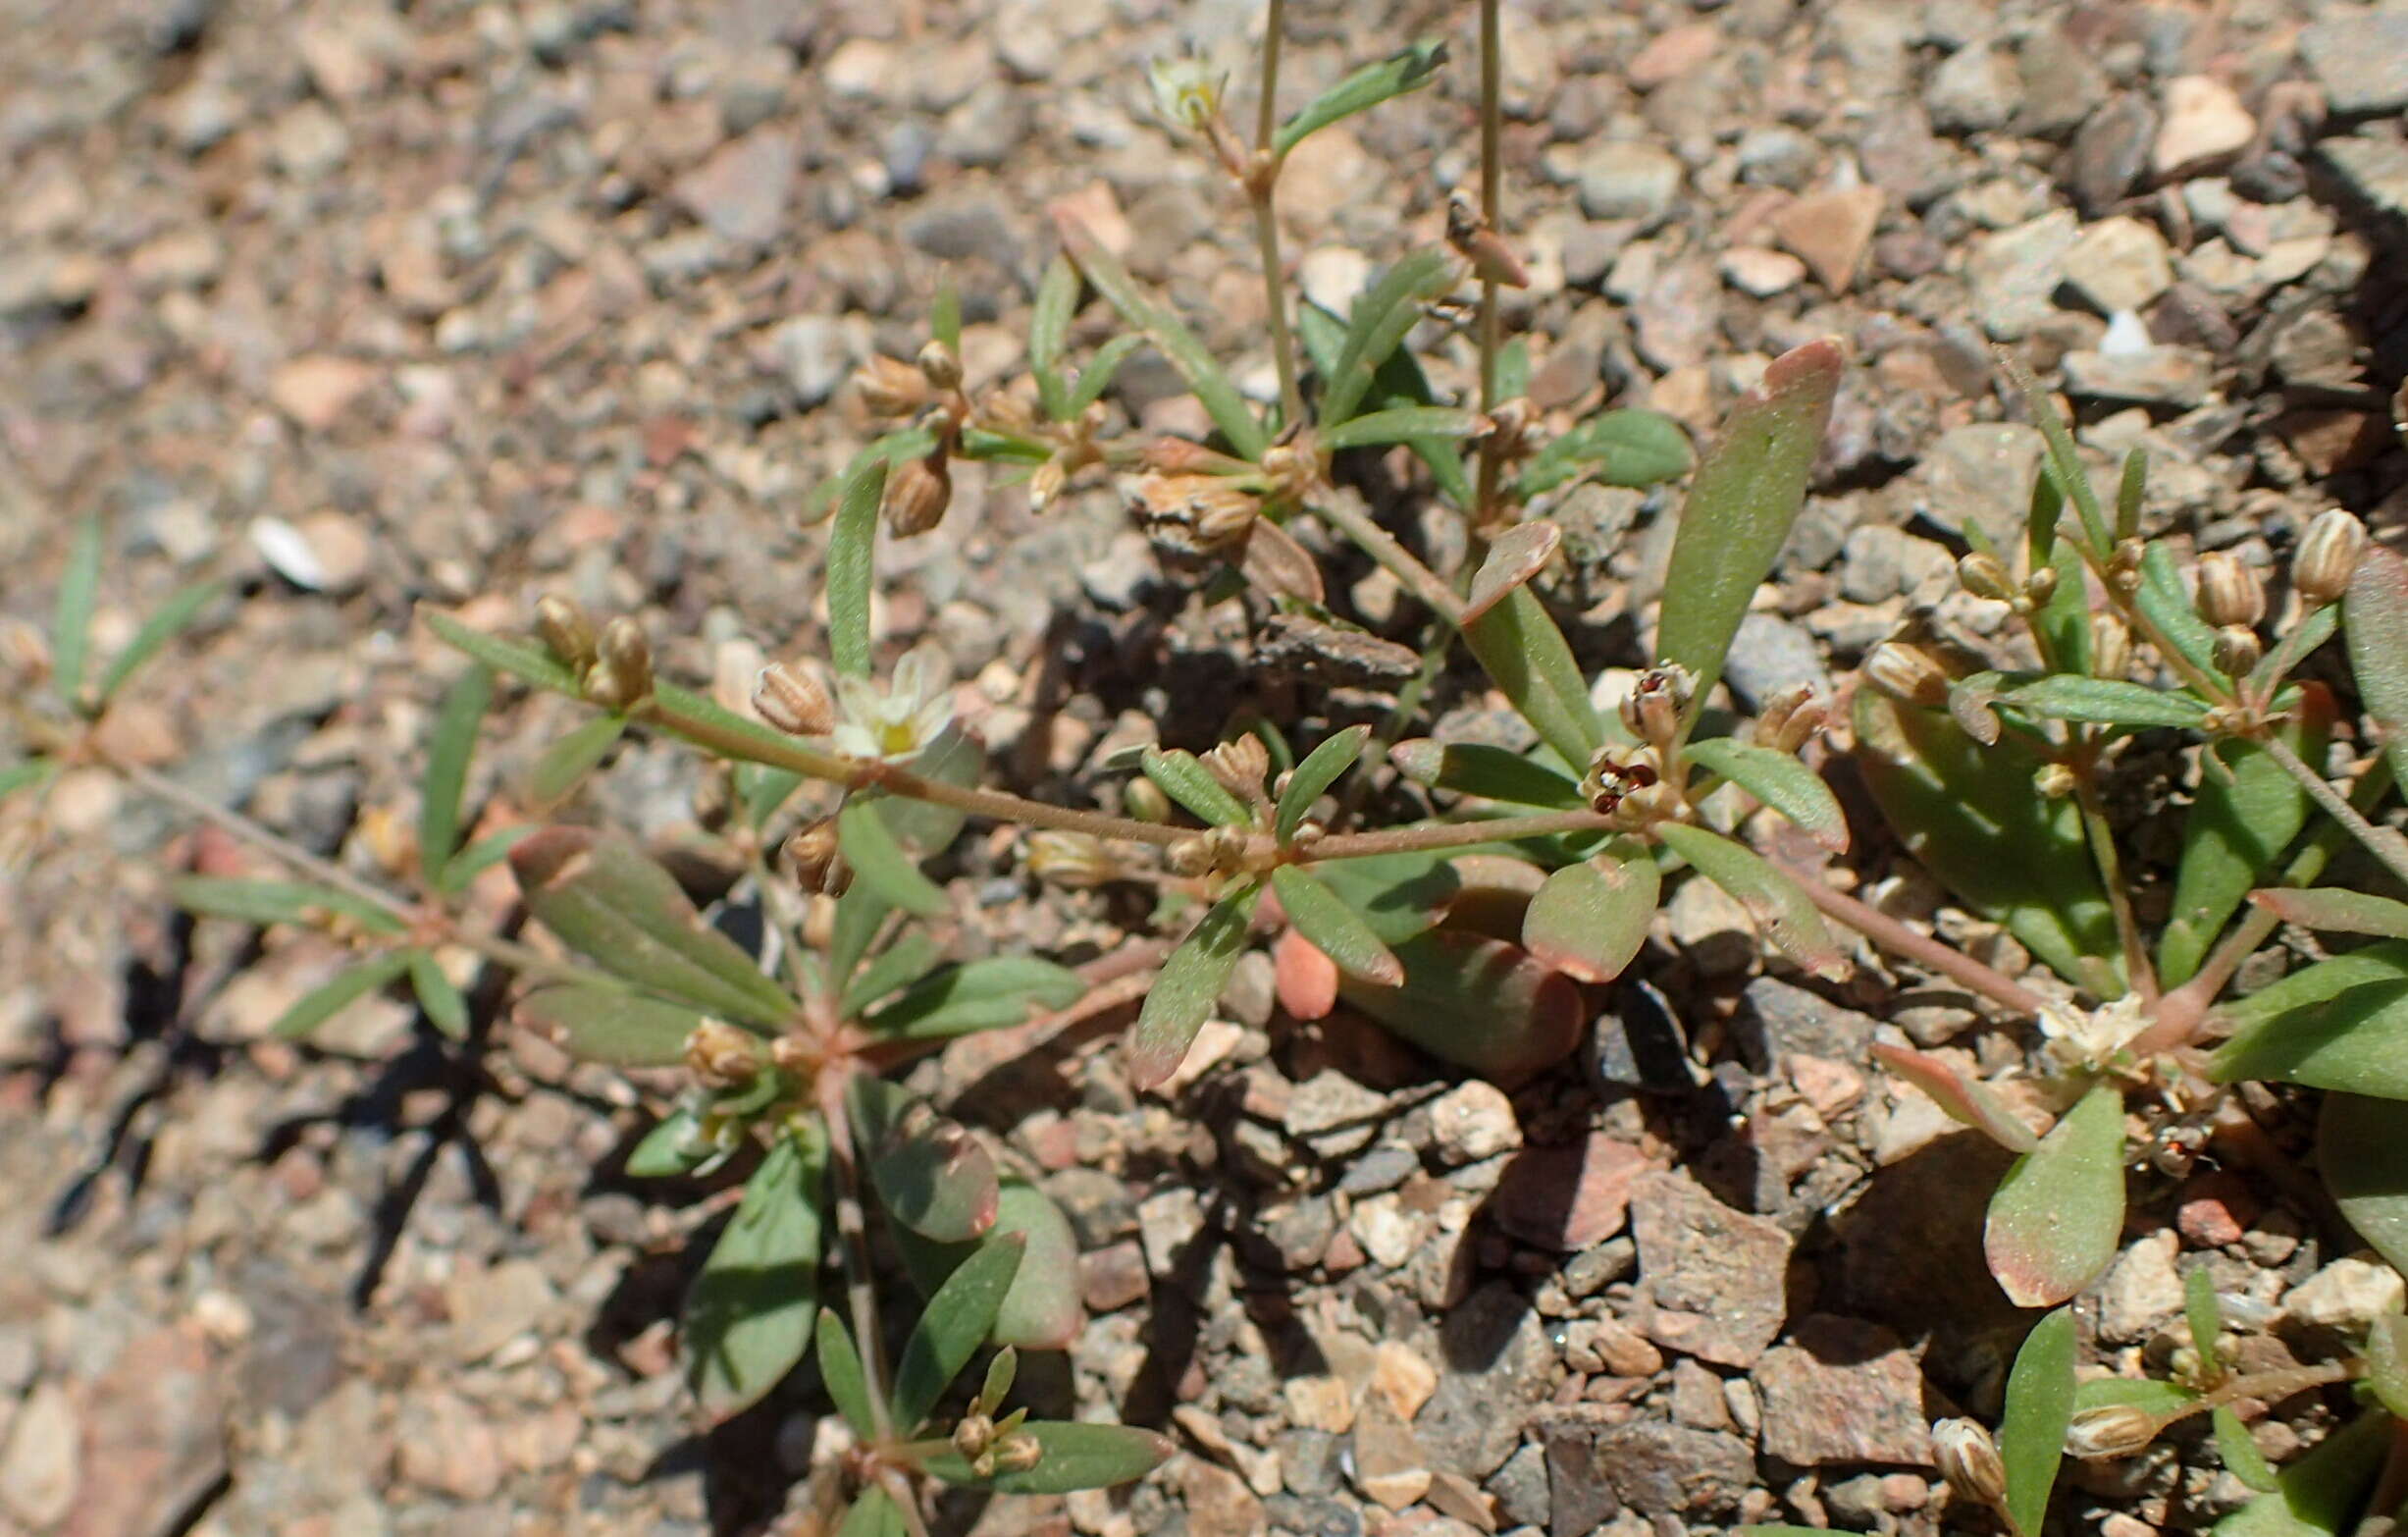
<point x="916" y="495"/>
<point x="817" y="859"/>
<point x="1019" y="1453"/>
<point x="1072" y="860"/>
<point x="1045" y="483"/>
<point x="1191" y="856"/>
<point x="1657" y="699"/>
<point x="1985" y="575"/>
<point x="2110" y="1430"/>
<point x="1193" y="515"/>
<point x="973" y="1434"/>
<point x="1790" y="719"/>
<point x="2328" y="556"/>
<point x="2111" y="647"/>
<point x="721" y="1056"/>
<point x="1240" y="764"/>
<point x="939" y="366"/>
<point x="2123" y="564"/>
<point x="1969" y="1460"/>
<point x="2230" y="593"/>
<point x="622" y="670"/>
<point x="566" y="632"/>
<point x="2040" y="586"/>
<point x="891" y="387"/>
<point x="2235" y="651"/>
<point x="791" y="697"/>
<point x="2054" y="780"/>
<point x="1906" y="672"/>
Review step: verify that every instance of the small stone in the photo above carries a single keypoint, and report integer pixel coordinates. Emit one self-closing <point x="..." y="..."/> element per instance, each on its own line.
<point x="443" y="1443"/>
<point x="1568" y="1198"/>
<point x="315" y="392"/>
<point x="1167" y="1225"/>
<point x="1698" y="1400"/>
<point x="2360" y="57"/>
<point x="2119" y="264"/>
<point x="1621" y="178"/>
<point x="1319" y="1402"/>
<point x="40" y="1466"/>
<point x="2216" y="1210"/>
<point x="743" y="190"/>
<point x="2202" y="122"/>
<point x="1718" y="1278"/>
<point x="1769" y="656"/>
<point x="1653" y="1467"/>
<point x="1625" y="1352"/>
<point x="2141" y="1289"/>
<point x="1973" y="90"/>
<point x="1113" y="1277"/>
<point x="489" y="1308"/>
<point x="1760" y="271"/>
<point x="2348" y="1295"/>
<point x="1218" y="1502"/>
<point x="2016" y="270"/>
<point x="1335" y="1114"/>
<point x="2178" y="377"/>
<point x="816" y="353"/>
<point x="1830" y="231"/>
<point x="2062" y="81"/>
<point x="1782" y="1020"/>
<point x="1520" y="1488"/>
<point x="1388" y="1466"/>
<point x="154" y="1435"/>
<point x="1713" y="927"/>
<point x="1671" y="54"/>
<point x="1983" y="471"/>
<point x="1843" y="1392"/>
<point x="1400" y="1376"/>
<point x="2111" y="153"/>
<point x="1473" y="1122"/>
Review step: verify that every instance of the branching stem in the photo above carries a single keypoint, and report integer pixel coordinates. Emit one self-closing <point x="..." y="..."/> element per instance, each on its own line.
<point x="2384" y="844"/>
<point x="1261" y="180"/>
<point x="1920" y="948"/>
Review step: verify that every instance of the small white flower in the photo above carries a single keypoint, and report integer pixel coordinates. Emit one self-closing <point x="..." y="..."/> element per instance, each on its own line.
<point x="2092" y="1039"/>
<point x="1186" y="91"/>
<point x="899" y="721"/>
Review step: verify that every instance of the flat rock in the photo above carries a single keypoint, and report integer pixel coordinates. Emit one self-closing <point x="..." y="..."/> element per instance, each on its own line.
<point x="2360" y="58"/>
<point x="1973" y="90"/>
<point x="1471" y="1122"/>
<point x="2170" y="376"/>
<point x="2110" y="153"/>
<point x="1843" y="1390"/>
<point x="1771" y="655"/>
<point x="316" y="391"/>
<point x="1982" y="473"/>
<point x="2202" y="122"/>
<point x="2119" y="264"/>
<point x="1595" y="1470"/>
<point x="1830" y="231"/>
<point x="1780" y="1020"/>
<point x="40" y="1466"/>
<point x="742" y="190"/>
<point x="2014" y="273"/>
<point x="155" y="1430"/>
<point x="1568" y="1198"/>
<point x="1718" y="1278"/>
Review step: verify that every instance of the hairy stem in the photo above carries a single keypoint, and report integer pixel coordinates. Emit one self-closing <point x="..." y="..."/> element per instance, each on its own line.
<point x="1261" y="180"/>
<point x="852" y="1230"/>
<point x="2387" y="846"/>
<point x="1445" y="835"/>
<point x="1491" y="171"/>
<point x="2139" y="973"/>
<point x="1920" y="948"/>
<point x="1352" y="519"/>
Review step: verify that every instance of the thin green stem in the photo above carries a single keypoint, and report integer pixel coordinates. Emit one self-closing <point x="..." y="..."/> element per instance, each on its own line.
<point x="1920" y="948"/>
<point x="1445" y="835"/>
<point x="861" y="1283"/>
<point x="1261" y="180"/>
<point x="1351" y="519"/>
<point x="2140" y="975"/>
<point x="2387" y="846"/>
<point x="1492" y="176"/>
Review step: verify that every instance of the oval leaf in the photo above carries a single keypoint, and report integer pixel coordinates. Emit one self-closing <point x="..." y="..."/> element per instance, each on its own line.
<point x="671" y="1148"/>
<point x="1320" y="769"/>
<point x="879" y="862"/>
<point x="1377" y="325"/>
<point x="852" y="550"/>
<point x="1478" y="1003"/>
<point x="1335" y="929"/>
<point x="277" y="902"/>
<point x="2057" y="1215"/>
<point x="1620" y="448"/>
<point x="1589" y="920"/>
<point x="1968" y="1100"/>
<point x="1184" y="777"/>
<point x="750" y="1313"/>
<point x="1078" y="1455"/>
<point x="2355" y="1042"/>
<point x="2374" y="616"/>
<point x="840" y="1369"/>
<point x="2387" y="1362"/>
<point x="2103" y="702"/>
<point x="2248" y="812"/>
<point x="1191" y="981"/>
<point x="2365" y="1162"/>
<point x="1788" y="916"/>
<point x="1401" y="424"/>
<point x="438" y="995"/>
<point x="1519" y="554"/>
<point x="347" y="987"/>
<point x="1527" y="657"/>
<point x="959" y="1314"/>
<point x="608" y="1025"/>
<point x="2335" y="911"/>
<point x="1041" y="1310"/>
<point x="988" y="994"/>
<point x="1781" y="782"/>
<point x="2039" y="1407"/>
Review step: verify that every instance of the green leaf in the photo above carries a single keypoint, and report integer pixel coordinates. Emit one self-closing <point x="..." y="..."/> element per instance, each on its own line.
<point x="2367" y="965"/>
<point x="1781" y="782"/>
<point x="1189" y="982"/>
<point x="1078" y="1455"/>
<point x="879" y="861"/>
<point x="347" y="987"/>
<point x="2204" y="1314"/>
<point x="1097" y="376"/>
<point x="2166" y="603"/>
<point x="873" y="1514"/>
<point x="890" y="449"/>
<point x="2332" y="911"/>
<point x="522" y="659"/>
<point x="852" y="552"/>
<point x="2237" y="828"/>
<point x="840" y="1368"/>
<point x="1590" y="919"/>
<point x="1491" y="773"/>
<point x="1531" y="663"/>
<point x="1335" y="929"/>
<point x="2355" y="1042"/>
<point x="1745" y="496"/>
<point x="161" y="627"/>
<point x="2365" y="1161"/>
<point x="1049" y="327"/>
<point x="1968" y="814"/>
<point x="610" y="902"/>
<point x="2241" y="1454"/>
<point x="671" y="1148"/>
<point x="2160" y="1400"/>
<point x="564" y="765"/>
<point x="2064" y="620"/>
<point x="480" y="856"/>
<point x="602" y="1024"/>
<point x="944" y="311"/>
<point x="1401" y="424"/>
<point x="2130" y="491"/>
<point x="989" y="994"/>
<point x="2103" y="702"/>
<point x="446" y="1009"/>
<point x="2064" y="461"/>
<point x="1407" y="68"/>
<point x="2057" y="1215"/>
<point x="1376" y="327"/>
<point x="902" y="961"/>
<point x="2387" y="1362"/>
<point x="1040" y="1311"/>
<point x="2374" y="614"/>
<point x="267" y="902"/>
<point x="1965" y="1098"/>
<point x="1515" y="558"/>
<point x="1184" y="777"/>
<point x="2316" y="1496"/>
<point x="2039" y="1407"/>
<point x="448" y="749"/>
<point x="932" y="1176"/>
<point x="71" y="628"/>
<point x="25" y="775"/>
<point x="1621" y="447"/>
<point x="1775" y="901"/>
<point x="2294" y="647"/>
<point x="1171" y="337"/>
<point x="1478" y="1003"/>
<point x="749" y="1315"/>
<point x="955" y="1323"/>
<point x="924" y="828"/>
<point x="1320" y="769"/>
<point x="1399" y="896"/>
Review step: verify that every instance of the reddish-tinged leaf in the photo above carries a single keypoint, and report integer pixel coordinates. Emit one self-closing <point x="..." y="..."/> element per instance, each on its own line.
<point x="1519" y="554"/>
<point x="932" y="1175"/>
<point x="2375" y="617"/>
<point x="1967" y="1099"/>
<point x="1305" y="979"/>
<point x="2055" y="1217"/>
<point x="1590" y="919"/>
<point x="2335" y="911"/>
<point x="1478" y="1003"/>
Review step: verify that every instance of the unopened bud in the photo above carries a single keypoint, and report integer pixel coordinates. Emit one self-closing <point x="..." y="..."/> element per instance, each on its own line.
<point x="2123" y="564"/>
<point x="1985" y="575"/>
<point x="816" y="858"/>
<point x="1019" y="1453"/>
<point x="1240" y="764"/>
<point x="2230" y="593"/>
<point x="2236" y="650"/>
<point x="791" y="697"/>
<point x="891" y="387"/>
<point x="721" y="1056"/>
<point x="1190" y="856"/>
<point x="1072" y="860"/>
<point x="1969" y="1460"/>
<point x="622" y="670"/>
<point x="25" y="656"/>
<point x="2328" y="556"/>
<point x="565" y="630"/>
<point x="2055" y="780"/>
<point x="939" y="366"/>
<point x="973" y="1434"/>
<point x="1657" y="699"/>
<point x="2110" y="1430"/>
<point x="1790" y="719"/>
<point x="1045" y="483"/>
<point x="1145" y="800"/>
<point x="2040" y="586"/>
<point x="2111" y="647"/>
<point x="1910" y="672"/>
<point x="916" y="495"/>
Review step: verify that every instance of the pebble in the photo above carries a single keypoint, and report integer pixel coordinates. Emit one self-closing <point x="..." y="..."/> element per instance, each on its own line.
<point x="2216" y="1210"/>
<point x="317" y="390"/>
<point x="2347" y="1295"/>
<point x="2110" y="153"/>
<point x="1769" y="656"/>
<point x="742" y="190"/>
<point x="1473" y="1122"/>
<point x="2141" y="1289"/>
<point x="1388" y="1466"/>
<point x="2119" y="264"/>
<point x="1621" y="178"/>
<point x="1652" y="1468"/>
<point x="489" y="1308"/>
<point x="816" y="353"/>
<point x="2202" y="123"/>
<point x="443" y="1443"/>
<point x="2016" y="270"/>
<point x="1830" y="231"/>
<point x="1718" y="1278"/>
<point x="1335" y="1114"/>
<point x="2178" y="377"/>
<point x="1842" y="1391"/>
<point x="1520" y="1488"/>
<point x="1567" y="1199"/>
<point x="2360" y="57"/>
<point x="1973" y="90"/>
<point x="154" y="1427"/>
<point x="40" y="1466"/>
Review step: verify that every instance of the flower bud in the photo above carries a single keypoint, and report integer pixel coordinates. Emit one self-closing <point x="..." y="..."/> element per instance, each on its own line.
<point x="1910" y="672"/>
<point x="2055" y="780"/>
<point x="2040" y="586"/>
<point x="973" y="1434"/>
<point x="2328" y="556"/>
<point x="2111" y="647"/>
<point x="1189" y="515"/>
<point x="1072" y="860"/>
<point x="2110" y="1430"/>
<point x="1969" y="1460"/>
<point x="565" y="630"/>
<point x="939" y="366"/>
<point x="816" y="858"/>
<point x="1045" y="483"/>
<point x="1186" y="91"/>
<point x="1653" y="706"/>
<point x="1790" y="719"/>
<point x="2123" y="564"/>
<point x="1240" y="764"/>
<point x="792" y="699"/>
<point x="1985" y="575"/>
<point x="2236" y="650"/>
<point x="916" y="495"/>
<point x="622" y="670"/>
<point x="1189" y="856"/>
<point x="1145" y="800"/>
<point x="891" y="387"/>
<point x="2230" y="593"/>
<point x="1019" y="1453"/>
<point x="721" y="1056"/>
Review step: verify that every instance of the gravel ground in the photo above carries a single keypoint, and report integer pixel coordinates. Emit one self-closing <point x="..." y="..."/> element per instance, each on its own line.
<point x="362" y="307"/>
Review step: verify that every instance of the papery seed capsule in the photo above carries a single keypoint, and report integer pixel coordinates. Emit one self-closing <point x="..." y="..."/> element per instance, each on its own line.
<point x="2041" y="585"/>
<point x="2123" y="564"/>
<point x="2111" y="647"/>
<point x="1240" y="764"/>
<point x="916" y="495"/>
<point x="1019" y="1453"/>
<point x="791" y="697"/>
<point x="2230" y="593"/>
<point x="622" y="670"/>
<point x="1657" y="699"/>
<point x="1790" y="719"/>
<point x="1191" y="856"/>
<point x="816" y="858"/>
<point x="973" y="1434"/>
<point x="891" y="387"/>
<point x="1046" y="482"/>
<point x="2055" y="780"/>
<point x="1969" y="1460"/>
<point x="1985" y="575"/>
<point x="1145" y="800"/>
<point x="1072" y="860"/>
<point x="565" y="630"/>
<point x="1906" y="672"/>
<point x="2110" y="1430"/>
<point x="2235" y="650"/>
<point x="939" y="366"/>
<point x="721" y="1056"/>
<point x="2328" y="556"/>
